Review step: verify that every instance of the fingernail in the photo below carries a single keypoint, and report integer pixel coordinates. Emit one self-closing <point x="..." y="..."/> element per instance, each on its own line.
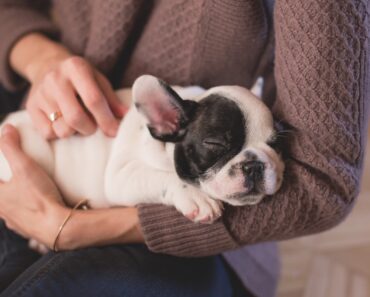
<point x="121" y="111"/>
<point x="124" y="109"/>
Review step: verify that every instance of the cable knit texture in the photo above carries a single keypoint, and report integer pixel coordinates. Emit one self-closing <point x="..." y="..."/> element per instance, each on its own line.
<point x="16" y="20"/>
<point x="322" y="65"/>
<point x="319" y="50"/>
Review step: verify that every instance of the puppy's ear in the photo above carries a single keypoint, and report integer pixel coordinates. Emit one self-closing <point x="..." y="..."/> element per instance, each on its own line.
<point x="257" y="88"/>
<point x="166" y="113"/>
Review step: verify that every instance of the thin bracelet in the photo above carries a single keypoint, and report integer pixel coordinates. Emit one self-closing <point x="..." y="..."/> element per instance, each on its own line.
<point x="78" y="205"/>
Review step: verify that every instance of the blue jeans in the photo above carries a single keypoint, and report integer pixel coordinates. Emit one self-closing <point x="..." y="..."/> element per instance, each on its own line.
<point x="122" y="270"/>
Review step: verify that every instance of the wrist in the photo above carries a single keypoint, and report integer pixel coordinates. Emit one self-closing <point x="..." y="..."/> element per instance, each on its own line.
<point x="54" y="215"/>
<point x="131" y="233"/>
<point x="34" y="55"/>
<point x="99" y="227"/>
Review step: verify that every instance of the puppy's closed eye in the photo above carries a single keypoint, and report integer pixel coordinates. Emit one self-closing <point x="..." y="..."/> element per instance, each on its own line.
<point x="215" y="144"/>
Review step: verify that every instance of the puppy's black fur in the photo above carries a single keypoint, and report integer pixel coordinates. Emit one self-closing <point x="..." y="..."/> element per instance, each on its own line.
<point x="208" y="134"/>
<point x="213" y="137"/>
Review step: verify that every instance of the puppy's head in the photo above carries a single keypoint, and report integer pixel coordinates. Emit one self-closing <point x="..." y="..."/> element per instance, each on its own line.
<point x="223" y="140"/>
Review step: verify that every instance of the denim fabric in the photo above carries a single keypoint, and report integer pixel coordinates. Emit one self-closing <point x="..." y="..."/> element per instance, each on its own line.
<point x="125" y="270"/>
<point x="9" y="101"/>
<point x="15" y="256"/>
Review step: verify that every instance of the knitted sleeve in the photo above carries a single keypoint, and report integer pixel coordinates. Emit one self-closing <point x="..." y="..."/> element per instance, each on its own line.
<point x="17" y="18"/>
<point x="322" y="76"/>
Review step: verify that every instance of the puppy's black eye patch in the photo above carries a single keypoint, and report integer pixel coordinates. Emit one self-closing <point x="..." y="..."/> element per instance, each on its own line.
<point x="216" y="133"/>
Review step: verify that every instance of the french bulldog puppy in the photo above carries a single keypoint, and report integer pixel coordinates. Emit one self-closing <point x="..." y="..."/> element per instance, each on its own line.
<point x="186" y="147"/>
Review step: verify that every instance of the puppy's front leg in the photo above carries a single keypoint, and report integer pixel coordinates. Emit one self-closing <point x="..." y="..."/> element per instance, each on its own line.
<point x="138" y="183"/>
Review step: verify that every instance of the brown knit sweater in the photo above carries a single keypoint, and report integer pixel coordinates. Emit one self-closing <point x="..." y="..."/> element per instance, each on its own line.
<point x="320" y="50"/>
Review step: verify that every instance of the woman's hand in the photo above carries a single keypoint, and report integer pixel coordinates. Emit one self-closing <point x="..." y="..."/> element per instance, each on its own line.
<point x="59" y="88"/>
<point x="61" y="82"/>
<point x="30" y="203"/>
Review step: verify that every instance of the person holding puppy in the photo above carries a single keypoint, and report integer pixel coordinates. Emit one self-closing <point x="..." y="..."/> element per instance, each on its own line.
<point x="318" y="86"/>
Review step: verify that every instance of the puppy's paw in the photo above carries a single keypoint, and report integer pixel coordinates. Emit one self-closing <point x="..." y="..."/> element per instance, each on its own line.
<point x="196" y="205"/>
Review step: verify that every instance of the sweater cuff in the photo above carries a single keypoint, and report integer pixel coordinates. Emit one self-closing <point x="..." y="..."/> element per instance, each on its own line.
<point x="167" y="231"/>
<point x="15" y="23"/>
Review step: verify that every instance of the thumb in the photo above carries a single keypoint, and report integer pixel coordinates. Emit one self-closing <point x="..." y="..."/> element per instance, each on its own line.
<point x="10" y="137"/>
<point x="10" y="144"/>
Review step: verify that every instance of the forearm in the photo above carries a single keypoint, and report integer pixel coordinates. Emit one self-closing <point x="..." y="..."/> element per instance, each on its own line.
<point x="322" y="92"/>
<point x="322" y="84"/>
<point x="34" y="54"/>
<point x="99" y="227"/>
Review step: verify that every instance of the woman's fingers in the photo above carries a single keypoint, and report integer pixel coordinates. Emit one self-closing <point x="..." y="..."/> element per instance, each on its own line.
<point x="10" y="136"/>
<point x="115" y="104"/>
<point x="83" y="80"/>
<point x="59" y="126"/>
<point x="42" y="123"/>
<point x="63" y="99"/>
<point x="10" y="145"/>
<point x="81" y="94"/>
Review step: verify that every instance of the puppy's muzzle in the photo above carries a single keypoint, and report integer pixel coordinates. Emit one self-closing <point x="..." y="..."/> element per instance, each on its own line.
<point x="253" y="172"/>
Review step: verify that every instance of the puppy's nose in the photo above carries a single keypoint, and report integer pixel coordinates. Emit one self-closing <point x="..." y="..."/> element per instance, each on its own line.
<point x="253" y="170"/>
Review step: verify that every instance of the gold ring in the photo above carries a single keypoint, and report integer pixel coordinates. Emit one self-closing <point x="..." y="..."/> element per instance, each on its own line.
<point x="54" y="116"/>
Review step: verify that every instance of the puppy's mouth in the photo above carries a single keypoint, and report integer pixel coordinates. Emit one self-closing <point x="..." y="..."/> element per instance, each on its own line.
<point x="253" y="193"/>
<point x="246" y="180"/>
<point x="242" y="195"/>
<point x="244" y="198"/>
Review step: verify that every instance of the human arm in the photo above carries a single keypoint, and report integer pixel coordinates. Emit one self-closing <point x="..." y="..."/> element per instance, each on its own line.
<point x="99" y="227"/>
<point x="322" y="77"/>
<point x="32" y="206"/>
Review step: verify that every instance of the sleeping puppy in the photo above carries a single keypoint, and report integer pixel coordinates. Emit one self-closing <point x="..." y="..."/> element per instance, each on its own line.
<point x="185" y="147"/>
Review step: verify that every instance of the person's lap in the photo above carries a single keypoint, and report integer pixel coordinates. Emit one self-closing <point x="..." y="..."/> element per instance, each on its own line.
<point x="15" y="256"/>
<point x="130" y="270"/>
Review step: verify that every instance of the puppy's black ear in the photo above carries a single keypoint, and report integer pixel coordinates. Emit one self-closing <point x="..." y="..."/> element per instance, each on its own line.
<point x="166" y="113"/>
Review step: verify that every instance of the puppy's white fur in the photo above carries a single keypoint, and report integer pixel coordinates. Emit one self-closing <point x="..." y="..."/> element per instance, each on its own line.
<point x="135" y="168"/>
<point x="129" y="169"/>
